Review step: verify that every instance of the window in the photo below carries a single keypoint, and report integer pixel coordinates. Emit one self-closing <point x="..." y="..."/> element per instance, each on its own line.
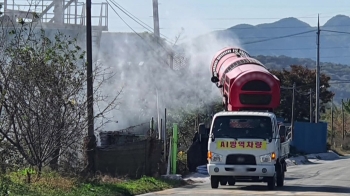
<point x="253" y="99"/>
<point x="242" y="127"/>
<point x="256" y="85"/>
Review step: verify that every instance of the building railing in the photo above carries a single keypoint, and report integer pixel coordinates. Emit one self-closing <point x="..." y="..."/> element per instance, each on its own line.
<point x="73" y="11"/>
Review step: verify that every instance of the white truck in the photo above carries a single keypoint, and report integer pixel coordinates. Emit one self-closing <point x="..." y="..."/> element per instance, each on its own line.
<point x="246" y="146"/>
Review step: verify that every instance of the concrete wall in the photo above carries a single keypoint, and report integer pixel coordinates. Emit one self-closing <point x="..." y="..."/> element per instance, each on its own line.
<point x="132" y="159"/>
<point x="310" y="137"/>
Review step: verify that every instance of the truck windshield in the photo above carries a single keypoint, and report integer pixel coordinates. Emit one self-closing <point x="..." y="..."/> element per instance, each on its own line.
<point x="242" y="127"/>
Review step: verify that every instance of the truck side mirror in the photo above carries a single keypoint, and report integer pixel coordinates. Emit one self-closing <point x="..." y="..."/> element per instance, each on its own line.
<point x="282" y="132"/>
<point x="202" y="129"/>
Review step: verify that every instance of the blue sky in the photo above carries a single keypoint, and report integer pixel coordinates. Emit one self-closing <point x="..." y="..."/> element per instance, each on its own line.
<point x="202" y="16"/>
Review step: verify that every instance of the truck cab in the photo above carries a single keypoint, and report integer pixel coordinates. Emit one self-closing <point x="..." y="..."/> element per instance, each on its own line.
<point x="245" y="146"/>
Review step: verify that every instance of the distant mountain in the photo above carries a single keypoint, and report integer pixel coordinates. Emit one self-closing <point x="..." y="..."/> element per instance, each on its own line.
<point x="334" y="47"/>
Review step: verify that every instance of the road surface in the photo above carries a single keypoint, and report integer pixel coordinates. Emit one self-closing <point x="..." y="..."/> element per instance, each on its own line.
<point x="317" y="178"/>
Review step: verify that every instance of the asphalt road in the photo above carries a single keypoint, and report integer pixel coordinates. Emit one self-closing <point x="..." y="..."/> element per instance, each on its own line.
<point x="317" y="178"/>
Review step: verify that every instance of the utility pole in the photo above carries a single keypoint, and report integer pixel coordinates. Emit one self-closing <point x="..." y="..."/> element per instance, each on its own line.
<point x="343" y="119"/>
<point x="158" y="119"/>
<point x="292" y="119"/>
<point x="310" y="105"/>
<point x="318" y="73"/>
<point x="90" y="145"/>
<point x="59" y="11"/>
<point x="332" y="125"/>
<point x="171" y="60"/>
<point x="156" y="20"/>
<point x="156" y="30"/>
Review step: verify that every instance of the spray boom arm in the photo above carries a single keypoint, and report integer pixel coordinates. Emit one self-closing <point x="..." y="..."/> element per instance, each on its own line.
<point x="245" y="83"/>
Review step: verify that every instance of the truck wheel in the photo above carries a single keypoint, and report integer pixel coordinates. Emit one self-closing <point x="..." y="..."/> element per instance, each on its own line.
<point x="280" y="178"/>
<point x="231" y="181"/>
<point x="271" y="182"/>
<point x="223" y="181"/>
<point x="214" y="181"/>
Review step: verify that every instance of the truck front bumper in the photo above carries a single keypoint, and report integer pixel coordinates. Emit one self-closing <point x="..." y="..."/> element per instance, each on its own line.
<point x="241" y="170"/>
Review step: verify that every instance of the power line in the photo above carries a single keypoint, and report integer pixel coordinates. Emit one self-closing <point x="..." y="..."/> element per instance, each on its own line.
<point x="259" y="27"/>
<point x="291" y="35"/>
<point x="246" y="43"/>
<point x="234" y="28"/>
<point x="138" y="21"/>
<point x="166" y="49"/>
<point x="258" y="41"/>
<point x="279" y="37"/>
<point x="302" y="36"/>
<point x="229" y="18"/>
<point x="133" y="30"/>
<point x="251" y="18"/>
<point x="125" y="21"/>
<point x="343" y="82"/>
<point x="262" y="37"/>
<point x="311" y="85"/>
<point x="327" y="48"/>
<point x="343" y="32"/>
<point x="331" y="57"/>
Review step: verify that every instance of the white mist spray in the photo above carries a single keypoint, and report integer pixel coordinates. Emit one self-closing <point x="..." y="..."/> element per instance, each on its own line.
<point x="146" y="76"/>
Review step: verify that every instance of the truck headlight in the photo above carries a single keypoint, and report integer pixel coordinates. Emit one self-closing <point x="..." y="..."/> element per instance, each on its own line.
<point x="266" y="158"/>
<point x="214" y="157"/>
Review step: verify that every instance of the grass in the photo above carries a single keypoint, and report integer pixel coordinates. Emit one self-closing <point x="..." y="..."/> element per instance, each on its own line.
<point x="54" y="184"/>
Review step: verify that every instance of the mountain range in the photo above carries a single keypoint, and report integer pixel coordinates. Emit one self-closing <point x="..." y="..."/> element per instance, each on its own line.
<point x="295" y="38"/>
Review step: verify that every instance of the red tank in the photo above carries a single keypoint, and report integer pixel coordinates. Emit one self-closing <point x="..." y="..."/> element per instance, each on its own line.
<point x="245" y="83"/>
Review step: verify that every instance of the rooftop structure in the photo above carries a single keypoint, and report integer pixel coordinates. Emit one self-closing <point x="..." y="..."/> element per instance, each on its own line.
<point x="60" y="14"/>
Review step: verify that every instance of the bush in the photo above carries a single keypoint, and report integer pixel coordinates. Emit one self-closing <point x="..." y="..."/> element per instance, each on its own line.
<point x="182" y="163"/>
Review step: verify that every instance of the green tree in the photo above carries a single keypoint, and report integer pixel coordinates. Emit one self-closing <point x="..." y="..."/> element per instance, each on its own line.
<point x="346" y="105"/>
<point x="304" y="79"/>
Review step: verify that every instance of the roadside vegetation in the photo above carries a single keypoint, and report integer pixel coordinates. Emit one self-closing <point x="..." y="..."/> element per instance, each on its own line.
<point x="52" y="183"/>
<point x="338" y="129"/>
<point x="43" y="116"/>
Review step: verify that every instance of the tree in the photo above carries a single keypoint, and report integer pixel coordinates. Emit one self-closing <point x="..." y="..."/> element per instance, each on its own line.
<point x="43" y="101"/>
<point x="337" y="133"/>
<point x="335" y="71"/>
<point x="188" y="120"/>
<point x="304" y="79"/>
<point x="346" y="105"/>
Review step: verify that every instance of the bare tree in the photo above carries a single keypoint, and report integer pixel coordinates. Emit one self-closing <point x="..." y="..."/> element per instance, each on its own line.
<point x="42" y="94"/>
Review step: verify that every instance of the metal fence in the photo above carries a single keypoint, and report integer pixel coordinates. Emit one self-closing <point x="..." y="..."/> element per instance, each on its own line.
<point x="132" y="159"/>
<point x="133" y="151"/>
<point x="310" y="137"/>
